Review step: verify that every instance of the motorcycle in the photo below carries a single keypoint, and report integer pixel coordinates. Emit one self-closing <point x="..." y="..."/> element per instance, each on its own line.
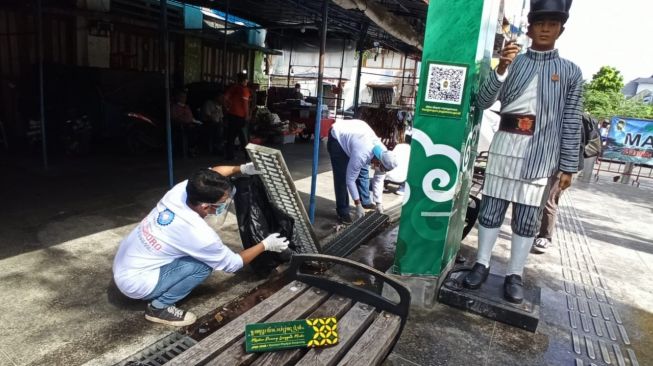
<point x="74" y="134"/>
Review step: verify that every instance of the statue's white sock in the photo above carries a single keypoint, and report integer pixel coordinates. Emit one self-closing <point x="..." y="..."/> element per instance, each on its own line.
<point x="487" y="237"/>
<point x="519" y="249"/>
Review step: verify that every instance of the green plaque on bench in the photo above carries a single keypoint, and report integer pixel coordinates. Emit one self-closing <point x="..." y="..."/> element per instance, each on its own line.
<point x="265" y="337"/>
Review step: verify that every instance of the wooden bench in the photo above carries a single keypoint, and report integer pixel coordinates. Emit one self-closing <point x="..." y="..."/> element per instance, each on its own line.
<point x="369" y="324"/>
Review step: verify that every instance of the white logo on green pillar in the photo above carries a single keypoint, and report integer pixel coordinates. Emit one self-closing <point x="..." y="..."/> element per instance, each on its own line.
<point x="444" y="177"/>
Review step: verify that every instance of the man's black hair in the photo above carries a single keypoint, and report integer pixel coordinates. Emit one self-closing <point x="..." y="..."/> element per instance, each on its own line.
<point x="206" y="186"/>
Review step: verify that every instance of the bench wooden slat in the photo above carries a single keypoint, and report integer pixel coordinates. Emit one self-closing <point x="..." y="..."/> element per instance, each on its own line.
<point x="299" y="308"/>
<point x="350" y="327"/>
<point x="336" y="306"/>
<point x="373" y="346"/>
<point x="227" y="335"/>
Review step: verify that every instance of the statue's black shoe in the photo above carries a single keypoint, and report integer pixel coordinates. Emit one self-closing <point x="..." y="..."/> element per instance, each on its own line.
<point x="476" y="277"/>
<point x="513" y="289"/>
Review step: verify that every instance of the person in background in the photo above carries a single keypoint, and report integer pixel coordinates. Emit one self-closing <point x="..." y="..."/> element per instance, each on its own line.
<point x="550" y="211"/>
<point x="212" y="116"/>
<point x="174" y="249"/>
<point x="238" y="106"/>
<point x="395" y="176"/>
<point x="298" y="92"/>
<point x="603" y="131"/>
<point x="183" y="121"/>
<point x="352" y="147"/>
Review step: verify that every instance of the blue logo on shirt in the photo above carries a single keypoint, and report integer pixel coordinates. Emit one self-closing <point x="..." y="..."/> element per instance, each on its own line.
<point x="165" y="217"/>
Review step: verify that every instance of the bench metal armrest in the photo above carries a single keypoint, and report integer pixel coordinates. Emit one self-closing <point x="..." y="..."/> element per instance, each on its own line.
<point x="355" y="293"/>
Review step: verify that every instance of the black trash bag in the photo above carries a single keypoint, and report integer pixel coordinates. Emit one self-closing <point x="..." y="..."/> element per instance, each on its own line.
<point x="473" y="209"/>
<point x="257" y="218"/>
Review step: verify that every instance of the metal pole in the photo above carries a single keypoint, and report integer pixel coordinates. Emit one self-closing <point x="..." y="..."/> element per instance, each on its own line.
<point x="44" y="145"/>
<point x="403" y="74"/>
<point x="224" y="47"/>
<point x="342" y="61"/>
<point x="318" y="115"/>
<point x="359" y="48"/>
<point x="628" y="172"/>
<point x="165" y="52"/>
<point x="358" y="80"/>
<point x="292" y="44"/>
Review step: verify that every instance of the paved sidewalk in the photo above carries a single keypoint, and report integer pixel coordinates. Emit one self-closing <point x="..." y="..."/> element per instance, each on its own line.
<point x="596" y="293"/>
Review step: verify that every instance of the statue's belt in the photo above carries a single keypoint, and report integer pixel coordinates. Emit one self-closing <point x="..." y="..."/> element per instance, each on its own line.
<point x="522" y="124"/>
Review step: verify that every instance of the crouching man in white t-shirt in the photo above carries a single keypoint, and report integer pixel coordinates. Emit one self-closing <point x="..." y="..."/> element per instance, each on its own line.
<point x="174" y="249"/>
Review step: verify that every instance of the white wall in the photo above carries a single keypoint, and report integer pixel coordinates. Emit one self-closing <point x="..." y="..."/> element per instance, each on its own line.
<point x="643" y="86"/>
<point x="305" y="59"/>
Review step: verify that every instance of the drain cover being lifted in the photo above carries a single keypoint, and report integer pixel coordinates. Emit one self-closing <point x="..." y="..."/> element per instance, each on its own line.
<point x="281" y="188"/>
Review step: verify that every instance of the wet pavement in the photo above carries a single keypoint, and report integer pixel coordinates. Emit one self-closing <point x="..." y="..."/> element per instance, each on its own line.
<point x="60" y="230"/>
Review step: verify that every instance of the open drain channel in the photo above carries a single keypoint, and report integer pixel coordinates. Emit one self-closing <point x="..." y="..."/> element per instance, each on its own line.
<point x="160" y="352"/>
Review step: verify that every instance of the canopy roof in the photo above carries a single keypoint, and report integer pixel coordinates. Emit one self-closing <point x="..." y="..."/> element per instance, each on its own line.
<point x="301" y="19"/>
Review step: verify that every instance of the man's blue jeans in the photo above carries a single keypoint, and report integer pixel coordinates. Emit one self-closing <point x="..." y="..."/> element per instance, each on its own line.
<point x="339" y="162"/>
<point x="176" y="280"/>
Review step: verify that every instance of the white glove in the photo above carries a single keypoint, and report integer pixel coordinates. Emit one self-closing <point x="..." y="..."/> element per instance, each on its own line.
<point x="360" y="211"/>
<point x="249" y="169"/>
<point x="379" y="207"/>
<point x="275" y="243"/>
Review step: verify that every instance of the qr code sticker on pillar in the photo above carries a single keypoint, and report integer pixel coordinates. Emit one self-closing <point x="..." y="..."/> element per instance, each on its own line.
<point x="445" y="84"/>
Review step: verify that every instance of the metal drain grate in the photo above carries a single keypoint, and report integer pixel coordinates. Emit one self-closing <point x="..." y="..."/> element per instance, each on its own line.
<point x="160" y="352"/>
<point x="282" y="191"/>
<point x="358" y="232"/>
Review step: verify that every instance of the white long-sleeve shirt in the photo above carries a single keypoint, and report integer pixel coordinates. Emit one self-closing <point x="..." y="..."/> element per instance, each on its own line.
<point x="171" y="230"/>
<point x="357" y="140"/>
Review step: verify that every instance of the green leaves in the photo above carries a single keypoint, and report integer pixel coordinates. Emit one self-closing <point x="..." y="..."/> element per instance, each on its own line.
<point x="603" y="98"/>
<point x="607" y="79"/>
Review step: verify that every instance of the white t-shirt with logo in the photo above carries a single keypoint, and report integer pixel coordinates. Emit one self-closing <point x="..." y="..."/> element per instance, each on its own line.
<point x="171" y="230"/>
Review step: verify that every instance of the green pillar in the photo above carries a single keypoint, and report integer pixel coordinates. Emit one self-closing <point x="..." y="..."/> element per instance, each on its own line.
<point x="456" y="57"/>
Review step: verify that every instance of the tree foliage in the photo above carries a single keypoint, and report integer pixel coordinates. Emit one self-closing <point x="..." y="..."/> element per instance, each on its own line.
<point x="607" y="79"/>
<point x="603" y="98"/>
<point x="602" y="104"/>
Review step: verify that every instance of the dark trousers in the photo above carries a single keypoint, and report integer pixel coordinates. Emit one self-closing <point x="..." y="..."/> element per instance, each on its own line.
<point x="339" y="162"/>
<point x="233" y="128"/>
<point x="550" y="212"/>
<point x="212" y="136"/>
<point x="186" y="136"/>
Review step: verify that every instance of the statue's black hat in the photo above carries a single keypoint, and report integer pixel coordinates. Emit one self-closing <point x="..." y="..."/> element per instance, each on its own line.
<point x="546" y="8"/>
